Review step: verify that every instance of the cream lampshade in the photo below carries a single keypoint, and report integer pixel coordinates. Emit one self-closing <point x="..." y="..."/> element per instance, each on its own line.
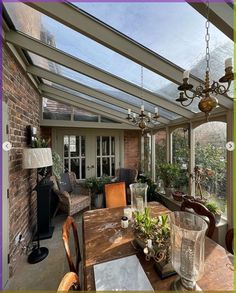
<point x="34" y="158"/>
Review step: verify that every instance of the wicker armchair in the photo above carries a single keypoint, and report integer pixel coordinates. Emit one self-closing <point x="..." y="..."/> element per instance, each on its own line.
<point x="73" y="195"/>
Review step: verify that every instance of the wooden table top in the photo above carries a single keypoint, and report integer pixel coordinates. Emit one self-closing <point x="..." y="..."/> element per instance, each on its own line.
<point x="105" y="240"/>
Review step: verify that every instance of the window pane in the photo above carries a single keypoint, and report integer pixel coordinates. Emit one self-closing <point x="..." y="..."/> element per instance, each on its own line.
<point x="83" y="146"/>
<point x="83" y="168"/>
<point x="210" y="156"/>
<point x="105" y="145"/>
<point x="66" y="165"/>
<point x="82" y="115"/>
<point x="113" y="166"/>
<point x="74" y="146"/>
<point x="98" y="167"/>
<point x="112" y="145"/>
<point x="161" y="147"/>
<point x="75" y="167"/>
<point x="98" y="146"/>
<point x="180" y="157"/>
<point x="106" y="166"/>
<point x="66" y="146"/>
<point x="180" y="144"/>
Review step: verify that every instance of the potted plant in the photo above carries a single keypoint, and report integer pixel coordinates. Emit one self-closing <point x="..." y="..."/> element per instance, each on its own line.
<point x="146" y="227"/>
<point x="169" y="173"/>
<point x="213" y="207"/>
<point x="96" y="186"/>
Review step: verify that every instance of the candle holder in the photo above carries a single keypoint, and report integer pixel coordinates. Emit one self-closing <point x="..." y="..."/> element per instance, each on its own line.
<point x="138" y="196"/>
<point x="187" y="249"/>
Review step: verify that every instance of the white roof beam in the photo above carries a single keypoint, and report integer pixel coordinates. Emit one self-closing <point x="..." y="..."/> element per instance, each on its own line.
<point x="53" y="54"/>
<point x="95" y="29"/>
<point x="56" y="78"/>
<point x="220" y="14"/>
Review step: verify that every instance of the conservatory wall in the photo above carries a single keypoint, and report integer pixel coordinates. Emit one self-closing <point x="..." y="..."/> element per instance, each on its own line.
<point x="203" y="144"/>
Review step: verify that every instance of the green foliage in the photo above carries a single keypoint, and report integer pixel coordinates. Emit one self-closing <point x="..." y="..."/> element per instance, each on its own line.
<point x="214" y="158"/>
<point x="180" y="147"/>
<point x="146" y="227"/>
<point x="96" y="185"/>
<point x="151" y="187"/>
<point x="169" y="173"/>
<point x="57" y="167"/>
<point x="40" y="143"/>
<point x="213" y="207"/>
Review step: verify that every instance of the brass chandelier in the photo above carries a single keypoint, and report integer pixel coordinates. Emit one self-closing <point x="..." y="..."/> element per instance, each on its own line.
<point x="208" y="101"/>
<point x="142" y="120"/>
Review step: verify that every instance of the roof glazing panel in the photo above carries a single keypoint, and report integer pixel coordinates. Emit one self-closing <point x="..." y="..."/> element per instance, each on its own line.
<point x="175" y="31"/>
<point x="113" y="92"/>
<point x="55" y="34"/>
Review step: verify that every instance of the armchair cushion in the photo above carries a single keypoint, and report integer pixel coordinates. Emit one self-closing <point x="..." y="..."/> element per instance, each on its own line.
<point x="64" y="183"/>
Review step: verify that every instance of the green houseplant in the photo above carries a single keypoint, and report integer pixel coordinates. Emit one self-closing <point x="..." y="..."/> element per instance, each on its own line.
<point x="96" y="186"/>
<point x="170" y="174"/>
<point x="146" y="227"/>
<point x="213" y="207"/>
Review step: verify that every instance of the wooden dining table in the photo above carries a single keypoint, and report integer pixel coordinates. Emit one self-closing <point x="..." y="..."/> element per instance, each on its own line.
<point x="105" y="240"/>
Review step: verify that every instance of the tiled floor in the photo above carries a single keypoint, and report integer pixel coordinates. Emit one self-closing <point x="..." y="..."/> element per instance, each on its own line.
<point x="45" y="275"/>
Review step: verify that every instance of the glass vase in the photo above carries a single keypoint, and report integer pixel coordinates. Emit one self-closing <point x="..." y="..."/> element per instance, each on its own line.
<point x="138" y="196"/>
<point x="187" y="249"/>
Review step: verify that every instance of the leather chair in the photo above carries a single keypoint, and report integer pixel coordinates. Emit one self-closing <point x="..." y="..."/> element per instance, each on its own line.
<point x="68" y="282"/>
<point x="201" y="210"/>
<point x="73" y="195"/>
<point x="115" y="195"/>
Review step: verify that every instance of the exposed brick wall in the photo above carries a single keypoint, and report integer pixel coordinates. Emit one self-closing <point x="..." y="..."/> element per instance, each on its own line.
<point x="23" y="109"/>
<point x="132" y="149"/>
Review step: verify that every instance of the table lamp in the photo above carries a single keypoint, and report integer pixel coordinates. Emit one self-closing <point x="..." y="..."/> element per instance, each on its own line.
<point x="37" y="158"/>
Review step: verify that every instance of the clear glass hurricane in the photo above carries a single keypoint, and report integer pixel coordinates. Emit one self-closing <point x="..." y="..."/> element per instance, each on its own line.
<point x="138" y="196"/>
<point x="187" y="249"/>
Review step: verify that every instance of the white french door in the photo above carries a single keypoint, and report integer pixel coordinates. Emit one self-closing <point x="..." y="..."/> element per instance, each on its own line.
<point x="89" y="152"/>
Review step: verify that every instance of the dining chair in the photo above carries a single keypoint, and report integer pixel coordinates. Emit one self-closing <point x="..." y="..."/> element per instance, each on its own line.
<point x="229" y="240"/>
<point x="128" y="176"/>
<point x="115" y="195"/>
<point x="68" y="282"/>
<point x="67" y="226"/>
<point x="201" y="210"/>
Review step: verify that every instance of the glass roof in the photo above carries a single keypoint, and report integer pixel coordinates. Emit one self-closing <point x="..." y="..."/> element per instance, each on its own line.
<point x="150" y="24"/>
<point x="113" y="92"/>
<point x="183" y="40"/>
<point x="57" y="35"/>
<point x="86" y="97"/>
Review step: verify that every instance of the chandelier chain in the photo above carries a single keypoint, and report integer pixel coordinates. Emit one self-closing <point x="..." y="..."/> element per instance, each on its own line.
<point x="207" y="39"/>
<point x="142" y="84"/>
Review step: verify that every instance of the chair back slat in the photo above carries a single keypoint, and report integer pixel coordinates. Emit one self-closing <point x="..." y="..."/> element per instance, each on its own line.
<point x="201" y="210"/>
<point x="68" y="225"/>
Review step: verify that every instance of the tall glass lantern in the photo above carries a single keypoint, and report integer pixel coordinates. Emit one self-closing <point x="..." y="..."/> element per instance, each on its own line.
<point x="138" y="196"/>
<point x="187" y="249"/>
